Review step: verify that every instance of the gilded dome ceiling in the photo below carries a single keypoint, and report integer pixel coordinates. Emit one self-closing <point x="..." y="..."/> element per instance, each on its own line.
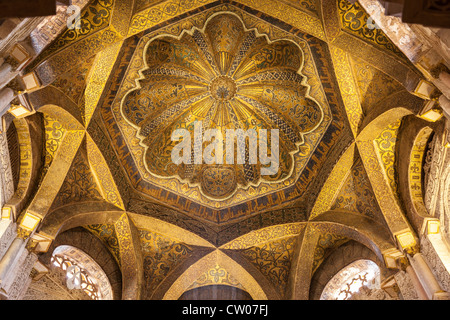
<point x="140" y="75"/>
<point x="222" y="76"/>
<point x="98" y="151"/>
<point x="199" y="66"/>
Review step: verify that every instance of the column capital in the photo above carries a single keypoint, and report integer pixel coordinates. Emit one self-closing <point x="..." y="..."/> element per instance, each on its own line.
<point x="407" y="241"/>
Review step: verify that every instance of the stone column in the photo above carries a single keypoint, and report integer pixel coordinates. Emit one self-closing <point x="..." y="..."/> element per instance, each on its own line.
<point x="416" y="283"/>
<point x="5" y="70"/>
<point x="9" y="258"/>
<point x="427" y="280"/>
<point x="6" y="96"/>
<point x="15" y="269"/>
<point x="21" y="277"/>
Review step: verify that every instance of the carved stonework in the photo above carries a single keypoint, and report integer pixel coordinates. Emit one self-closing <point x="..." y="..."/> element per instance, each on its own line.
<point x="97" y="155"/>
<point x="406" y="286"/>
<point x="371" y="294"/>
<point x="435" y="263"/>
<point x="6" y="177"/>
<point x="7" y="235"/>
<point x="428" y="161"/>
<point x="432" y="170"/>
<point x="51" y="26"/>
<point x="52" y="286"/>
<point x="443" y="198"/>
<point x="22" y="279"/>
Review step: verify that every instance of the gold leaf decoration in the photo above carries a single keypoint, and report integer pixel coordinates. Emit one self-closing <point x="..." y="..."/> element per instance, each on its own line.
<point x="273" y="259"/>
<point x="161" y="254"/>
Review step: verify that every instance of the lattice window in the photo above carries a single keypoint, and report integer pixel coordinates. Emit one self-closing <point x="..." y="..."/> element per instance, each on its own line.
<point x="350" y="280"/>
<point x="76" y="277"/>
<point x="353" y="286"/>
<point x="82" y="272"/>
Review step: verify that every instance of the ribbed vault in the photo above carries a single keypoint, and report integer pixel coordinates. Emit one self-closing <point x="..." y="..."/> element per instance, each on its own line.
<point x="340" y="95"/>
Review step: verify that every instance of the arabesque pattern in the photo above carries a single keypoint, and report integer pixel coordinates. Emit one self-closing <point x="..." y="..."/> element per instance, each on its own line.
<point x="226" y="78"/>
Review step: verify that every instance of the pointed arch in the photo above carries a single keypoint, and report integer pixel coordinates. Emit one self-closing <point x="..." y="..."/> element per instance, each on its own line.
<point x="216" y="257"/>
<point x="56" y="104"/>
<point x="30" y="137"/>
<point x="414" y="136"/>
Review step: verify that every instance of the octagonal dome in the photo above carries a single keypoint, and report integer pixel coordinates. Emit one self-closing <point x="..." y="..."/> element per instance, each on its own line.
<point x="225" y="77"/>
